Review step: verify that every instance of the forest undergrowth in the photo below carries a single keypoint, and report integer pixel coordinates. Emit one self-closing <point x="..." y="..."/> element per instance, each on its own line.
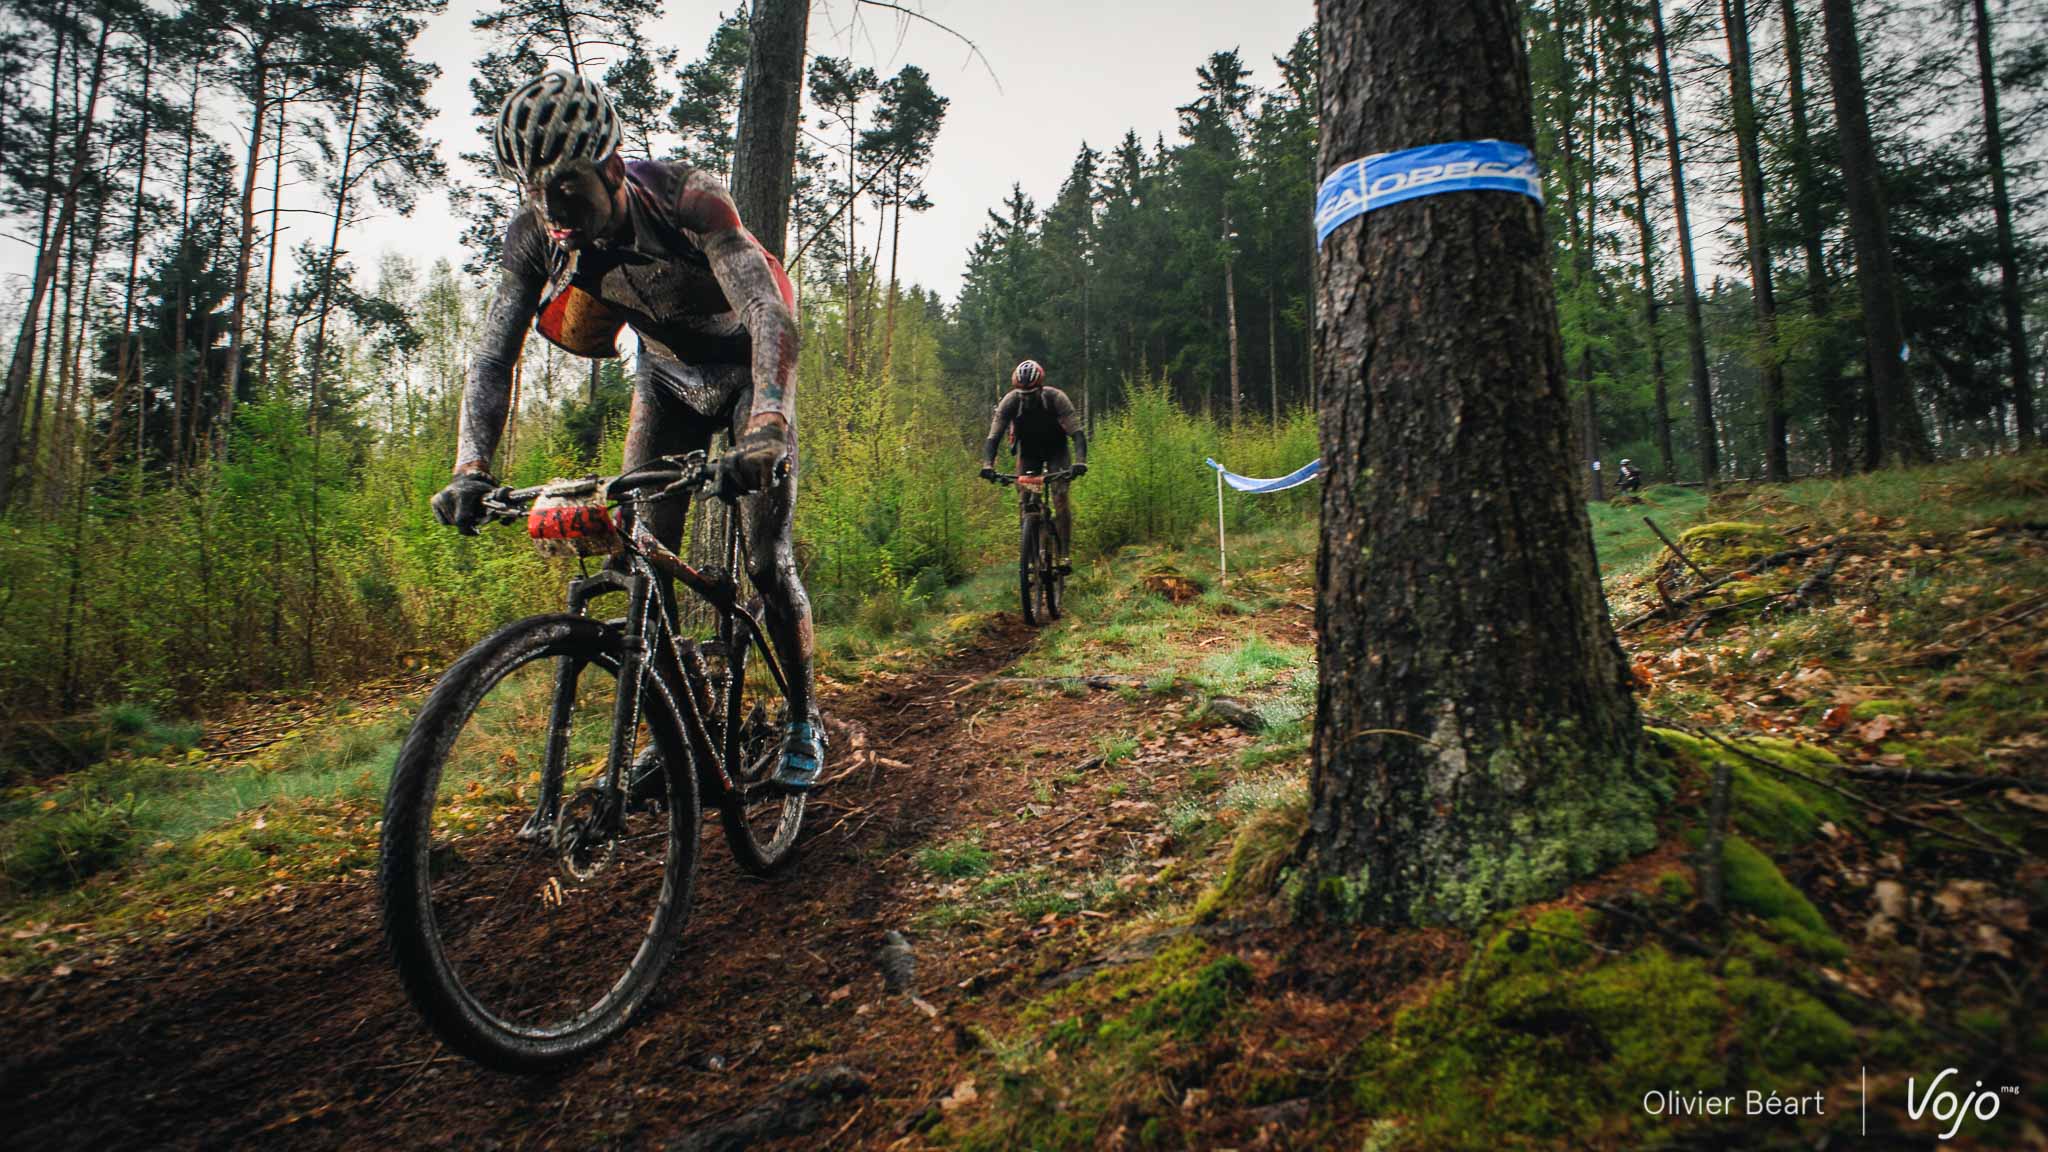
<point x="1851" y="669"/>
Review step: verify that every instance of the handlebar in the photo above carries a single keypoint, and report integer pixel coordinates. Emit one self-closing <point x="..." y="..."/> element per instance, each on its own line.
<point x="1007" y="478"/>
<point x="671" y="474"/>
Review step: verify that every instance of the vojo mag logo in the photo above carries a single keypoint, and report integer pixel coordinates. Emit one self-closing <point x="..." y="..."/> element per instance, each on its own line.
<point x="1353" y="188"/>
<point x="1979" y="1103"/>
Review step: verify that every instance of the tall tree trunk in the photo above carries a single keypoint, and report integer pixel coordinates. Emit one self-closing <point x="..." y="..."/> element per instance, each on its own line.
<point x="75" y="436"/>
<point x="764" y="144"/>
<point x="75" y="574"/>
<point x="1230" y="307"/>
<point x="1475" y="739"/>
<point x="245" y="247"/>
<point x="1839" y="402"/>
<point x="1272" y="340"/>
<point x="1646" y="241"/>
<point x="125" y="358"/>
<point x="19" y="367"/>
<point x="1581" y="233"/>
<point x="1901" y="435"/>
<point x="1756" y="227"/>
<point x="1695" y="330"/>
<point x="341" y="194"/>
<point x="180" y="417"/>
<point x="889" y="308"/>
<point x="2008" y="260"/>
<point x="270" y="260"/>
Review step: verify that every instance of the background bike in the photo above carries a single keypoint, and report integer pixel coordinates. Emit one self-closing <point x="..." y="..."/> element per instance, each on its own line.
<point x="538" y="859"/>
<point x="1040" y="583"/>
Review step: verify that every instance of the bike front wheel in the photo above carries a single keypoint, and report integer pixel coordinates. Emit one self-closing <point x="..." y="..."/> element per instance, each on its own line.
<point x="1050" y="582"/>
<point x="1028" y="578"/>
<point x="531" y="906"/>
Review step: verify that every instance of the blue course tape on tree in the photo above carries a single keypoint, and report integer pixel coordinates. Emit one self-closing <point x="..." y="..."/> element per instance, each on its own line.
<point x="1391" y="177"/>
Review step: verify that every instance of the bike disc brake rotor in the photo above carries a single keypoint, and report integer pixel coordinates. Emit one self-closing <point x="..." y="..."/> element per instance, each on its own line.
<point x="584" y="839"/>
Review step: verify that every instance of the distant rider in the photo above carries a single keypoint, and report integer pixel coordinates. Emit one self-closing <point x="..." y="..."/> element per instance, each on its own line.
<point x="600" y="243"/>
<point x="1043" y="419"/>
<point x="1631" y="479"/>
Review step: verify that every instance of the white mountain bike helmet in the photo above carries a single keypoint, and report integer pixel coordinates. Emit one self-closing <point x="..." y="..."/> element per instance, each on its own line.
<point x="553" y="120"/>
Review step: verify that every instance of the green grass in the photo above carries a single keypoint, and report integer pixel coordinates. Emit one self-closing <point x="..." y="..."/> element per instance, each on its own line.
<point x="955" y="860"/>
<point x="1621" y="538"/>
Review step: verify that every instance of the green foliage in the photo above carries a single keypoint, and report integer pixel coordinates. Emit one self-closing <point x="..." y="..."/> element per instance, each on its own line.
<point x="72" y="844"/>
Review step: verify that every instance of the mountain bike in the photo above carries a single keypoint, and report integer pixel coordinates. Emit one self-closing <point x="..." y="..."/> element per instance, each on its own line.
<point x="538" y="856"/>
<point x="1040" y="583"/>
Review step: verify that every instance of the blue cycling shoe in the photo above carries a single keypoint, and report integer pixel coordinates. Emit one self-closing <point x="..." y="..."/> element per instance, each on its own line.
<point x="803" y="755"/>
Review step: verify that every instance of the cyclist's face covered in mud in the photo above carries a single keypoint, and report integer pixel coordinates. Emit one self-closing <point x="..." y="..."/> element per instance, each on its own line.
<point x="578" y="204"/>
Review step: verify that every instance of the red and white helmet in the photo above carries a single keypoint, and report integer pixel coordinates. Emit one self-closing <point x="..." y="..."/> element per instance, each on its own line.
<point x="1029" y="376"/>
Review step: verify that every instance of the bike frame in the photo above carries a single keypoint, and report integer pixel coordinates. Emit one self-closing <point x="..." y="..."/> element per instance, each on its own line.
<point x="656" y="657"/>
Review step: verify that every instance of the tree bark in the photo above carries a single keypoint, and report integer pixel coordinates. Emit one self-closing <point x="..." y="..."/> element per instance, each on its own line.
<point x="2008" y="261"/>
<point x="245" y="247"/>
<point x="125" y="358"/>
<point x="1827" y="370"/>
<point x="1230" y="307"/>
<point x="1646" y="241"/>
<point x="1695" y="330"/>
<point x="1475" y="740"/>
<point x="764" y="144"/>
<point x="1902" y="438"/>
<point x="270" y="259"/>
<point x="1756" y="229"/>
<point x="23" y="361"/>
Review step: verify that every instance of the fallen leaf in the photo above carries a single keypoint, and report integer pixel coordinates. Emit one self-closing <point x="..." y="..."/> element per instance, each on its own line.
<point x="962" y="1095"/>
<point x="1837" y="717"/>
<point x="2032" y="801"/>
<point x="1876" y="729"/>
<point x="1993" y="942"/>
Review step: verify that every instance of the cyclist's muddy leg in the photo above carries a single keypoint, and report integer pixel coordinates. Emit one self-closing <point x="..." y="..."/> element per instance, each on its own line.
<point x="662" y="424"/>
<point x="770" y="518"/>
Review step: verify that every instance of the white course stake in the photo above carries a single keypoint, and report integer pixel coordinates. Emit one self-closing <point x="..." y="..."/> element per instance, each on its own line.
<point x="1222" y="554"/>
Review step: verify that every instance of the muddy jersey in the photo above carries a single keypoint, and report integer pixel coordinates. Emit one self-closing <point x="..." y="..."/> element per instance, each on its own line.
<point x="692" y="283"/>
<point x="1043" y="418"/>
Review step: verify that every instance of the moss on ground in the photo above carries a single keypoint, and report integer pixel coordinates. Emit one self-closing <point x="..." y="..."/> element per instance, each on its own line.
<point x="1769" y="806"/>
<point x="1546" y="1040"/>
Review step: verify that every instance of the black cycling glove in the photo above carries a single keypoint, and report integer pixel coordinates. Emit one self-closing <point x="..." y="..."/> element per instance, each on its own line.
<point x="461" y="504"/>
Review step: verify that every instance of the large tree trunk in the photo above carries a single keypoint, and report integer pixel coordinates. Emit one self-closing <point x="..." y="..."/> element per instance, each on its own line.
<point x="2008" y="261"/>
<point x="1901" y="436"/>
<point x="245" y="248"/>
<point x="764" y="144"/>
<point x="1475" y="739"/>
<point x="1756" y="228"/>
<point x="1695" y="330"/>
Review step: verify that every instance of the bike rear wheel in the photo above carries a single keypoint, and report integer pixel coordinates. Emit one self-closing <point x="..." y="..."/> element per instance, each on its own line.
<point x="762" y="822"/>
<point x="530" y="908"/>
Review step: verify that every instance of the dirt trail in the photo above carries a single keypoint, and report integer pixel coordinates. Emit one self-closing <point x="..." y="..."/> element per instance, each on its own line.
<point x="282" y="1025"/>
